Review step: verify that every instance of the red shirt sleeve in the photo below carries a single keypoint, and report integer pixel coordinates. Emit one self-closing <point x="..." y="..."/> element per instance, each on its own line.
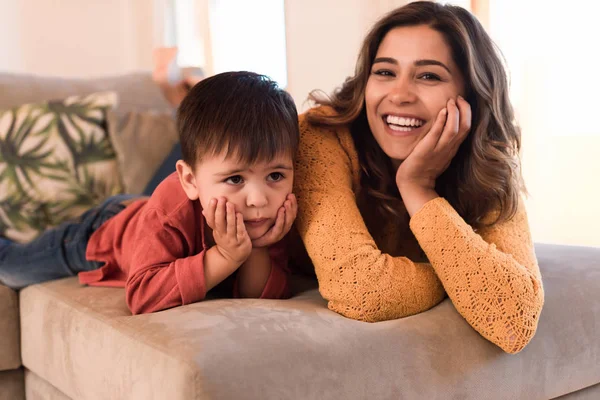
<point x="162" y="275"/>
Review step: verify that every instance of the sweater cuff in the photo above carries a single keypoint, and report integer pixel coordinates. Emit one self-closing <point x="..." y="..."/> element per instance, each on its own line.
<point x="190" y="278"/>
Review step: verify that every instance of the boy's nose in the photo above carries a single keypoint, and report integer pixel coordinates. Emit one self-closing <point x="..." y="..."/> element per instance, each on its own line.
<point x="256" y="198"/>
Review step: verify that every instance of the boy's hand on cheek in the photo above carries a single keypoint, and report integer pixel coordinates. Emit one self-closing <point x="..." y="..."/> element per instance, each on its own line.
<point x="229" y="231"/>
<point x="285" y="219"/>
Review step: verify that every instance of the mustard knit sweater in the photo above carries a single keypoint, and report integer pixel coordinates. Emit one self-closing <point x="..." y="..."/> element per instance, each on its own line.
<point x="491" y="275"/>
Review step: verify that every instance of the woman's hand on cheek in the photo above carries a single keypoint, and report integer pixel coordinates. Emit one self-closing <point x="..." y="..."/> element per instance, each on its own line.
<point x="285" y="219"/>
<point x="417" y="174"/>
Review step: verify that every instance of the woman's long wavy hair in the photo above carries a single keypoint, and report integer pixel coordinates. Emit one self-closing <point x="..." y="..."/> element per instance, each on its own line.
<point x="485" y="174"/>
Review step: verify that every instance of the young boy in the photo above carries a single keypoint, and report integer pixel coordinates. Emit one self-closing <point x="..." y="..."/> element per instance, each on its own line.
<point x="219" y="219"/>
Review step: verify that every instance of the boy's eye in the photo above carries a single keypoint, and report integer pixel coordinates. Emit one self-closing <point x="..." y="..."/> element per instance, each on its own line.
<point x="275" y="177"/>
<point x="234" y="180"/>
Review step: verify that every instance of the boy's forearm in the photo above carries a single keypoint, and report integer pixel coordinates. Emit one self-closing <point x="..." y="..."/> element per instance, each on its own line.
<point x="254" y="273"/>
<point x="216" y="267"/>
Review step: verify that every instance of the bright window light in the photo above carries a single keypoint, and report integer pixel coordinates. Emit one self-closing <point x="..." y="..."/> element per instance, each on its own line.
<point x="249" y="35"/>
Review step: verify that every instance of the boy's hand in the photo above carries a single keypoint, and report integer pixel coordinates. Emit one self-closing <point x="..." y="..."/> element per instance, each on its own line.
<point x="285" y="218"/>
<point x="229" y="231"/>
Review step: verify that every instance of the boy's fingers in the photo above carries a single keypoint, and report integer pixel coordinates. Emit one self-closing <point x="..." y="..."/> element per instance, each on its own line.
<point x="273" y="233"/>
<point x="241" y="228"/>
<point x="290" y="215"/>
<point x="209" y="213"/>
<point x="277" y="229"/>
<point x="220" y="216"/>
<point x="294" y="205"/>
<point x="231" y="219"/>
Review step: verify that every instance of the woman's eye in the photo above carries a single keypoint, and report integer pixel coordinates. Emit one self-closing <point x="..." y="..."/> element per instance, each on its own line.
<point x="234" y="180"/>
<point x="430" y="77"/>
<point x="275" y="177"/>
<point x="383" y="72"/>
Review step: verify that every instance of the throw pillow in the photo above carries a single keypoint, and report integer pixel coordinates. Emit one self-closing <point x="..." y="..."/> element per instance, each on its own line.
<point x="56" y="161"/>
<point x="142" y="141"/>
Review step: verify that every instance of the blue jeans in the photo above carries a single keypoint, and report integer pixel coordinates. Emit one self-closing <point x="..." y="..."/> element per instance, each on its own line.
<point x="58" y="252"/>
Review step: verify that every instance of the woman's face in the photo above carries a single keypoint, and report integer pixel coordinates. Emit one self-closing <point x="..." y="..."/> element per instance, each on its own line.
<point x="412" y="78"/>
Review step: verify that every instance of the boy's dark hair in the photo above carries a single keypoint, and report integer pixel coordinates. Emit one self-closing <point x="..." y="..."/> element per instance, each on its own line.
<point x="241" y="113"/>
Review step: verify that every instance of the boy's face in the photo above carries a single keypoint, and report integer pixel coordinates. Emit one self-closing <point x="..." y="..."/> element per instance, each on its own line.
<point x="257" y="190"/>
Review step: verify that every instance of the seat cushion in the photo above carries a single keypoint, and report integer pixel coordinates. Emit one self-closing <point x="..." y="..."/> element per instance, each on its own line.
<point x="10" y="343"/>
<point x="84" y="341"/>
<point x="38" y="389"/>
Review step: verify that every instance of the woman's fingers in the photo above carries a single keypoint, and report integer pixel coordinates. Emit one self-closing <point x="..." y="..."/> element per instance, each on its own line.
<point x="451" y="128"/>
<point x="465" y="117"/>
<point x="433" y="136"/>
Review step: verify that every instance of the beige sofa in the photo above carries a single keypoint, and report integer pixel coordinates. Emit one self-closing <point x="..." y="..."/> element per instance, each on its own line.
<point x="62" y="340"/>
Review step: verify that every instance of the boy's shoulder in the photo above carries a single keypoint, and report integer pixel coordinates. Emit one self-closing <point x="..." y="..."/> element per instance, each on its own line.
<point x="170" y="199"/>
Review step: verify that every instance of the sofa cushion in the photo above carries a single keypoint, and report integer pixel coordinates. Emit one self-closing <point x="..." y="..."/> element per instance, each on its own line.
<point x="10" y="343"/>
<point x="56" y="161"/>
<point x="84" y="342"/>
<point x="142" y="141"/>
<point x="38" y="389"/>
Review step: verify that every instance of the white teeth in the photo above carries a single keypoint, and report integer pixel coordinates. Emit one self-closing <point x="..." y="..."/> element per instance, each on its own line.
<point x="400" y="128"/>
<point x="405" y="122"/>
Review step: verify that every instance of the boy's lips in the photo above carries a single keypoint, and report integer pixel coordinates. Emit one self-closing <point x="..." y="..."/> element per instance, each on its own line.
<point x="255" y="222"/>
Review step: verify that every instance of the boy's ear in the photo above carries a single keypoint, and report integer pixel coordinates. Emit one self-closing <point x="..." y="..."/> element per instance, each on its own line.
<point x="187" y="179"/>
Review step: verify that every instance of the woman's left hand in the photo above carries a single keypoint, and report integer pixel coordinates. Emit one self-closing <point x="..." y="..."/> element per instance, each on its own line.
<point x="417" y="174"/>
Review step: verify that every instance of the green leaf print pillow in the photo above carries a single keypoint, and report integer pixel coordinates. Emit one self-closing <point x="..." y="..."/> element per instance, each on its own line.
<point x="56" y="161"/>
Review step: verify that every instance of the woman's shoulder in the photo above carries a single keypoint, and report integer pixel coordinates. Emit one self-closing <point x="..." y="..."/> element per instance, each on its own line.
<point x="322" y="141"/>
<point x="313" y="127"/>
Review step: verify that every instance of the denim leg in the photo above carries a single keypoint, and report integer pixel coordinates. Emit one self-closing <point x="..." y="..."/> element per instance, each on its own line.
<point x="58" y="252"/>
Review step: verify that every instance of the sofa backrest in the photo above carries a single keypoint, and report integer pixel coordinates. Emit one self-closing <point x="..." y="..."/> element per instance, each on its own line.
<point x="137" y="91"/>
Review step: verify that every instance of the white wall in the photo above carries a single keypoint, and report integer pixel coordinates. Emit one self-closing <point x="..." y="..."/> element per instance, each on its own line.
<point x="323" y="41"/>
<point x="76" y="38"/>
<point x="555" y="93"/>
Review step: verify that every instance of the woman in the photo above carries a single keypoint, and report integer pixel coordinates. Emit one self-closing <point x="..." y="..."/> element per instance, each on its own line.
<point x="408" y="181"/>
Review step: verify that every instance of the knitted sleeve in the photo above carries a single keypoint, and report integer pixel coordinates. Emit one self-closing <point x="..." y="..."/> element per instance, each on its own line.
<point x="356" y="278"/>
<point x="491" y="276"/>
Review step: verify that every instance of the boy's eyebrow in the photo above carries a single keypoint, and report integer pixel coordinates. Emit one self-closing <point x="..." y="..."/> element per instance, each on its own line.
<point x="281" y="166"/>
<point x="239" y="170"/>
<point x="418" y="63"/>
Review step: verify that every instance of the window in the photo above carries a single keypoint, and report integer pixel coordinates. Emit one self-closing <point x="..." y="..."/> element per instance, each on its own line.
<point x="228" y="35"/>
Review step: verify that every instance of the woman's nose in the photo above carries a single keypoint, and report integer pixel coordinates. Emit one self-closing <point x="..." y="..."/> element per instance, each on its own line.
<point x="403" y="91"/>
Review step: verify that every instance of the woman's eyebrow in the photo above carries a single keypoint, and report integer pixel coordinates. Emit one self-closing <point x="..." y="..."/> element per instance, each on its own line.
<point x="385" y="60"/>
<point x="418" y="63"/>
